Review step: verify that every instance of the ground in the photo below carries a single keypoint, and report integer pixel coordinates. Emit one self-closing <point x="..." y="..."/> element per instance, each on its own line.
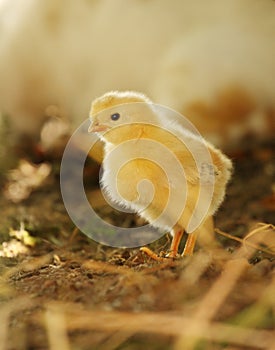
<point x="61" y="290"/>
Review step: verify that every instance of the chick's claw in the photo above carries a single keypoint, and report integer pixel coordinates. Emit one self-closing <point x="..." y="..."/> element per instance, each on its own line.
<point x="172" y="254"/>
<point x="151" y="254"/>
<point x="163" y="257"/>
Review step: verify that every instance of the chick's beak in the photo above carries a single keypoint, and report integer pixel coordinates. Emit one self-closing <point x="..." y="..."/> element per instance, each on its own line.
<point x="96" y="127"/>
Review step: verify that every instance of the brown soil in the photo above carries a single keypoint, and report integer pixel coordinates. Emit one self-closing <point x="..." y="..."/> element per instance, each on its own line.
<point x="68" y="292"/>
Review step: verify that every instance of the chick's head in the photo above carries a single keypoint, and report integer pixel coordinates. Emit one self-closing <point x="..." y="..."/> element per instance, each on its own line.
<point x="119" y="116"/>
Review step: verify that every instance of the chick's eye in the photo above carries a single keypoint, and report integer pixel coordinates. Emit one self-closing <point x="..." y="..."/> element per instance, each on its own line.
<point x="115" y="116"/>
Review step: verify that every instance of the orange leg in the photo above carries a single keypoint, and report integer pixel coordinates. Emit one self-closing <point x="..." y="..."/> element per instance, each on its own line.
<point x="188" y="249"/>
<point x="175" y="243"/>
<point x="173" y="253"/>
<point x="190" y="244"/>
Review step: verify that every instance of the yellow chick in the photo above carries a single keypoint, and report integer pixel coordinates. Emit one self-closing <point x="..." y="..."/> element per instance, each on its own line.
<point x="158" y="168"/>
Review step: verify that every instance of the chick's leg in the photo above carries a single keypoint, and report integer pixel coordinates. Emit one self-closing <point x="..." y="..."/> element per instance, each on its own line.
<point x="204" y="234"/>
<point x="177" y="236"/>
<point x="190" y="244"/>
<point x="173" y="253"/>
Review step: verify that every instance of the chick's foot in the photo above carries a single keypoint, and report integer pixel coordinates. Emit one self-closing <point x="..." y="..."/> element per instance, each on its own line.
<point x="156" y="257"/>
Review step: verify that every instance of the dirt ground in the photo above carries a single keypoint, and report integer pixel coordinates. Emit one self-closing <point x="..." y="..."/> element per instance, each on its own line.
<point x="61" y="290"/>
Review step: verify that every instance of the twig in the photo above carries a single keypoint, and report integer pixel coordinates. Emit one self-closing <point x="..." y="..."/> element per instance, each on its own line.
<point x="244" y="242"/>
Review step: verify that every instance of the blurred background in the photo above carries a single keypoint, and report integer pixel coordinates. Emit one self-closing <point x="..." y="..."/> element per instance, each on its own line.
<point x="212" y="61"/>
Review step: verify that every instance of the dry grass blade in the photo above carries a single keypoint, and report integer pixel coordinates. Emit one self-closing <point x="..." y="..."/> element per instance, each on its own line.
<point x="166" y="324"/>
<point x="196" y="268"/>
<point x="216" y="296"/>
<point x="211" y="303"/>
<point x="261" y="229"/>
<point x="62" y="318"/>
<point x="56" y="328"/>
<point x="6" y="311"/>
<point x="115" y="340"/>
<point x="254" y="315"/>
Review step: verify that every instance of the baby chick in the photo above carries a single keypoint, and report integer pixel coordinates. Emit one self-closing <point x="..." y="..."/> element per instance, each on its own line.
<point x="143" y="142"/>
